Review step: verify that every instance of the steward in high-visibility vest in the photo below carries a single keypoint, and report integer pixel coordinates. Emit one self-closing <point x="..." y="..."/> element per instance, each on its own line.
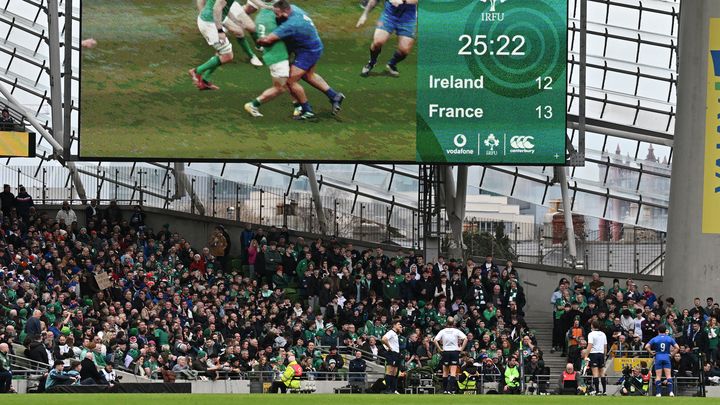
<point x="290" y="378"/>
<point x="512" y="377"/>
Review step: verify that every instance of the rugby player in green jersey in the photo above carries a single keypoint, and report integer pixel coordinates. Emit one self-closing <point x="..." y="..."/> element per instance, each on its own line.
<point x="215" y="18"/>
<point x="275" y="57"/>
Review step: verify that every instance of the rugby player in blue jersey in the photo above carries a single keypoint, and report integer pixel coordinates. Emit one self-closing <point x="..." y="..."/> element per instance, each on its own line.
<point x="302" y="39"/>
<point x="662" y="347"/>
<point x="400" y="17"/>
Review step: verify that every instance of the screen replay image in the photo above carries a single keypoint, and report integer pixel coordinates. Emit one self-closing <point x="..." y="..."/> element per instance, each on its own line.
<point x="463" y="81"/>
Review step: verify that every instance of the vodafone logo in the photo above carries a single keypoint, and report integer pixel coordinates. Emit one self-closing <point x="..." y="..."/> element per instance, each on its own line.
<point x="522" y="144"/>
<point x="460" y="140"/>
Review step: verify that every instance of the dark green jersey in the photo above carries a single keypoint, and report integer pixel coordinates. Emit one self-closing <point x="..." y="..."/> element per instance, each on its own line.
<point x="207" y="12"/>
<point x="277" y="52"/>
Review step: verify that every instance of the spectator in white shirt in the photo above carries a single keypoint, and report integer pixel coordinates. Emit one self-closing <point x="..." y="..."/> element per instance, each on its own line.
<point x="66" y="214"/>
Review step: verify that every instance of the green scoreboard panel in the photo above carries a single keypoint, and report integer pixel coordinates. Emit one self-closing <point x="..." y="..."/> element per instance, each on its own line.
<point x="492" y="80"/>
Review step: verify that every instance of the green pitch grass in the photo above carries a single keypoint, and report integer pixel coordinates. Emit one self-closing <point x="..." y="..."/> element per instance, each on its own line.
<point x="318" y="399"/>
<point x="138" y="101"/>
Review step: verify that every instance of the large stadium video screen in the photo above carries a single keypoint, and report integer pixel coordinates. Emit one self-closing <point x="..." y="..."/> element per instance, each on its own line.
<point x="434" y="81"/>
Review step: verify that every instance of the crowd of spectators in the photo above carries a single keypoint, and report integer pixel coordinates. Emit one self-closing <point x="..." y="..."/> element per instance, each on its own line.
<point x="197" y="312"/>
<point x="173" y="309"/>
<point x="630" y="317"/>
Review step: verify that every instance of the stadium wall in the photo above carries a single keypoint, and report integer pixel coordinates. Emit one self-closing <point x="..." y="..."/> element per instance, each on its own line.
<point x="217" y="387"/>
<point x="197" y="229"/>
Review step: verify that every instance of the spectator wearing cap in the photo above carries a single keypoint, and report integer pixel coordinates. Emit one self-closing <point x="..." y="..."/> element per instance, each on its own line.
<point x="57" y="376"/>
<point x="199" y="363"/>
<point x="334" y="355"/>
<point x="280" y="279"/>
<point x="330" y="369"/>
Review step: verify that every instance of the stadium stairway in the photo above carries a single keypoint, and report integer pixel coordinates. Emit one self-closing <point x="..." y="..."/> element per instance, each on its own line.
<point x="542" y="324"/>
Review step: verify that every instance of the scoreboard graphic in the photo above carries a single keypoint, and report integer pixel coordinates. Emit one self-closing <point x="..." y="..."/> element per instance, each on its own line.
<point x="481" y="82"/>
<point x="491" y="82"/>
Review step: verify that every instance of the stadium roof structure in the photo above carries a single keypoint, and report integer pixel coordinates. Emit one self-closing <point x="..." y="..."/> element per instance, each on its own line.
<point x="630" y="113"/>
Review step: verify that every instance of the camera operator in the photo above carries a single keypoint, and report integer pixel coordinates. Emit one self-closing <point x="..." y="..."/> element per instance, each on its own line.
<point x="536" y="373"/>
<point x="632" y="381"/>
<point x="469" y="375"/>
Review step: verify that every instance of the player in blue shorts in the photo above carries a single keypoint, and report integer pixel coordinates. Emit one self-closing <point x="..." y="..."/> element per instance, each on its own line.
<point x="302" y="39"/>
<point x="662" y="347"/>
<point x="400" y="17"/>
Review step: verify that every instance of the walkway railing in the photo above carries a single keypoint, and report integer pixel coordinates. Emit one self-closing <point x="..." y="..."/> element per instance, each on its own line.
<point x="618" y="249"/>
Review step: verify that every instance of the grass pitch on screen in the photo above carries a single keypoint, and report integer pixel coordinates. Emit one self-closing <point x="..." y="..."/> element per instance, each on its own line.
<point x="139" y="102"/>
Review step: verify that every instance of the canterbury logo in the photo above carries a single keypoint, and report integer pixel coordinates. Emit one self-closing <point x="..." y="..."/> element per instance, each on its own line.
<point x="522" y="142"/>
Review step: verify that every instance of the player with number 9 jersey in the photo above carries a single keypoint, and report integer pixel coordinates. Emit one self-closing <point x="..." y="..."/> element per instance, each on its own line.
<point x="662" y="345"/>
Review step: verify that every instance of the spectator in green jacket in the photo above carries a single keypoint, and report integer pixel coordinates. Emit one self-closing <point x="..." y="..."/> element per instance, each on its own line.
<point x="280" y="279"/>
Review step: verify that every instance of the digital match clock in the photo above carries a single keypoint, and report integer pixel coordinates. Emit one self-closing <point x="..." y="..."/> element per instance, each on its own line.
<point x="492" y="81"/>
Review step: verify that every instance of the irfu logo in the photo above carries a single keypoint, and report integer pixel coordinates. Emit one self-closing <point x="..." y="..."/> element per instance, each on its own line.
<point x="493" y="3"/>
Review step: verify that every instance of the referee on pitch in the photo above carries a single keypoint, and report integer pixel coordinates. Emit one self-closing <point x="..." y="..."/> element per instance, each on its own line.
<point x="392" y="357"/>
<point x="597" y="346"/>
<point x="453" y="342"/>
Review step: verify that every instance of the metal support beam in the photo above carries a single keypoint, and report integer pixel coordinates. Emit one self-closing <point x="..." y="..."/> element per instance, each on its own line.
<point x="561" y="175"/>
<point x="67" y="96"/>
<point x="77" y="181"/>
<point x="455" y="199"/>
<point x="55" y="76"/>
<point x="315" y="189"/>
<point x="183" y="185"/>
<point x="622" y="131"/>
<point x="580" y="155"/>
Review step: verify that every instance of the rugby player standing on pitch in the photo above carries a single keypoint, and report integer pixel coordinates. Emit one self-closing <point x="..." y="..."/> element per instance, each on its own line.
<point x="597" y="347"/>
<point x="453" y="342"/>
<point x="392" y="357"/>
